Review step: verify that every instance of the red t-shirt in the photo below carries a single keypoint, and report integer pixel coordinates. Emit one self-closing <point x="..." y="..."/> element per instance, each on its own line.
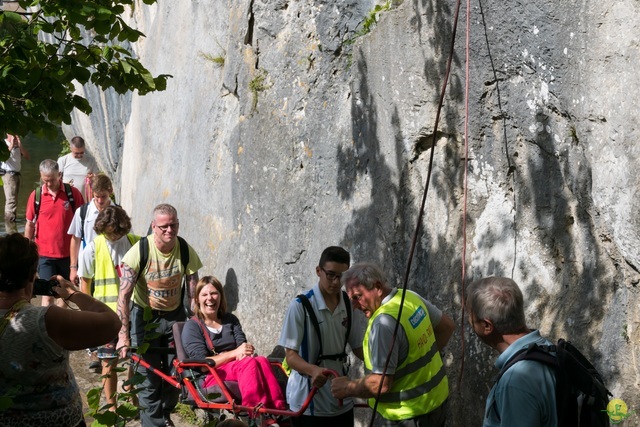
<point x="54" y="219"/>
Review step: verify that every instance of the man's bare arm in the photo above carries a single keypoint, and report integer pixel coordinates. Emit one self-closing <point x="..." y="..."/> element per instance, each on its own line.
<point x="24" y="152"/>
<point x="297" y="363"/>
<point x="364" y="387"/>
<point x="192" y="280"/>
<point x="74" y="248"/>
<point x="29" y="230"/>
<point x="443" y="331"/>
<point x="127" y="282"/>
<point x="359" y="352"/>
<point x="85" y="285"/>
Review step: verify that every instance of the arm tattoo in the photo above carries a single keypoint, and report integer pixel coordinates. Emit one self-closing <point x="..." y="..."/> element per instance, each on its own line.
<point x="127" y="282"/>
<point x="192" y="280"/>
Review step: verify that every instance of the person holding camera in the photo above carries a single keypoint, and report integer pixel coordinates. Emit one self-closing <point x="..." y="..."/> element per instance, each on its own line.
<point x="36" y="381"/>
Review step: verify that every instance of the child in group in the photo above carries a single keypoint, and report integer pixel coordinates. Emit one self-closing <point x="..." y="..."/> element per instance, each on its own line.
<point x="101" y="261"/>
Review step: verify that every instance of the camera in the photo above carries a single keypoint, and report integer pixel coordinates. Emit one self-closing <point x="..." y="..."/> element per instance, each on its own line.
<point x="44" y="287"/>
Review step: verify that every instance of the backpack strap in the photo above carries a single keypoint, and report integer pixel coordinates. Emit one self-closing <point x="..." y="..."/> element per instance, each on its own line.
<point x="36" y="203"/>
<point x="347" y="306"/>
<point x="306" y="304"/>
<point x="69" y="191"/>
<point x="38" y="198"/>
<point x="534" y="352"/>
<point x="184" y="253"/>
<point x="144" y="254"/>
<point x="531" y="352"/>
<point x="83" y="215"/>
<point x="314" y="321"/>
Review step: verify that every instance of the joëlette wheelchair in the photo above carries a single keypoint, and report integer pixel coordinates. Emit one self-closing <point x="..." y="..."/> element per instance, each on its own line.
<point x="224" y="397"/>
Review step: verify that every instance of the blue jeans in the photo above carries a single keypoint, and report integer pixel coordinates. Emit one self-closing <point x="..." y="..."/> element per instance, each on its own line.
<point x="157" y="397"/>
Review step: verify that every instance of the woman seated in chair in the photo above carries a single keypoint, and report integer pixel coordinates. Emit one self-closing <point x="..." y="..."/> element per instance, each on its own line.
<point x="215" y="334"/>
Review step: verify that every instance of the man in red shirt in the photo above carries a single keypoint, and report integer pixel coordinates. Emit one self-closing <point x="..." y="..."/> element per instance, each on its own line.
<point x="48" y="227"/>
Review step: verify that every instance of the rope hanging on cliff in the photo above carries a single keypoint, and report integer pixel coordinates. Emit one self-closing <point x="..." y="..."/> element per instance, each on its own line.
<point x="464" y="195"/>
<point x="424" y="199"/>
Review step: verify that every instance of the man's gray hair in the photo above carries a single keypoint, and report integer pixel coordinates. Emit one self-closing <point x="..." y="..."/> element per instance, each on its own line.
<point x="77" y="142"/>
<point x="367" y="273"/>
<point x="498" y="299"/>
<point x="164" y="209"/>
<point x="49" y="167"/>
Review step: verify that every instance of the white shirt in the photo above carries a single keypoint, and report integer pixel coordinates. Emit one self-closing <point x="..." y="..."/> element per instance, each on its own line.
<point x="75" y="229"/>
<point x="333" y="329"/>
<point x="74" y="171"/>
<point x="117" y="250"/>
<point x="14" y="162"/>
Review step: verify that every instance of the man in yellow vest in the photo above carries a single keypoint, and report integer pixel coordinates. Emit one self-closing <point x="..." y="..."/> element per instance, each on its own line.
<point x="414" y="386"/>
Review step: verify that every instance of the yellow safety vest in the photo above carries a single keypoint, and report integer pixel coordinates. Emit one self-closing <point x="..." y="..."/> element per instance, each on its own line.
<point x="106" y="281"/>
<point x="420" y="384"/>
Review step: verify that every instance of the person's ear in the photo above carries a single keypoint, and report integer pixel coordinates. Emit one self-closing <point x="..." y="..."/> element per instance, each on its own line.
<point x="318" y="269"/>
<point x="487" y="327"/>
<point x="379" y="287"/>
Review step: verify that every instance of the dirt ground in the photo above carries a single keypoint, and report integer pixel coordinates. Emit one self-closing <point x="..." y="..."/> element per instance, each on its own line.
<point x="88" y="379"/>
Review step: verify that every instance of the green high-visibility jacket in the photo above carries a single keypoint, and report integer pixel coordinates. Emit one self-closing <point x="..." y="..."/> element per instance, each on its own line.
<point x="420" y="384"/>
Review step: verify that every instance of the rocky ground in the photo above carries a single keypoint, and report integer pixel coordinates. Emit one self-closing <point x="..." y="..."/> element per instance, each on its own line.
<point x="88" y="379"/>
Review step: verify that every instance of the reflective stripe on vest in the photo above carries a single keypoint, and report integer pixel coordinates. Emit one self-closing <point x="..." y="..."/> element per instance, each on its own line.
<point x="105" y="279"/>
<point x="420" y="384"/>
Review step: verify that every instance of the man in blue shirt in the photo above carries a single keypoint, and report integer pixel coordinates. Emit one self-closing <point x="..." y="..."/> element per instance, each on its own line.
<point x="525" y="396"/>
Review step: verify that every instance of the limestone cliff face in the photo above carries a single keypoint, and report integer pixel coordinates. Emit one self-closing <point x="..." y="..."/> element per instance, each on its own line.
<point x="310" y="135"/>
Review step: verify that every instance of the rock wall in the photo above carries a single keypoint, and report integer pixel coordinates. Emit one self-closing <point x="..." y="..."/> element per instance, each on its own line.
<point x="312" y="134"/>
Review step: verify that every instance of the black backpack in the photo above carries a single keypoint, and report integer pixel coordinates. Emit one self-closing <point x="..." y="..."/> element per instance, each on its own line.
<point x="581" y="396"/>
<point x="314" y="321"/>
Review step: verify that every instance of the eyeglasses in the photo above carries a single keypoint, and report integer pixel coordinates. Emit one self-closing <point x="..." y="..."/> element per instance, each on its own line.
<point x="164" y="228"/>
<point x="331" y="275"/>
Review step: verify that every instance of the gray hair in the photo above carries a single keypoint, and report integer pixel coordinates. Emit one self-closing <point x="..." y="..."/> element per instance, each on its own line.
<point x="164" y="209"/>
<point x="367" y="273"/>
<point x="49" y="167"/>
<point x="77" y="142"/>
<point x="498" y="299"/>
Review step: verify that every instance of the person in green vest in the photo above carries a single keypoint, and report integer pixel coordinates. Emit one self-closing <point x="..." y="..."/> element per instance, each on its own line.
<point x="414" y="386"/>
<point x="100" y="264"/>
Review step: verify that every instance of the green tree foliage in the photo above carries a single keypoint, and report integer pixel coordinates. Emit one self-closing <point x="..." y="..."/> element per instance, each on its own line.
<point x="56" y="44"/>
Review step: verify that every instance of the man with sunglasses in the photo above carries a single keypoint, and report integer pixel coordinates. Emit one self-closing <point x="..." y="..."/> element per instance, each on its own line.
<point x="309" y="355"/>
<point x="156" y="286"/>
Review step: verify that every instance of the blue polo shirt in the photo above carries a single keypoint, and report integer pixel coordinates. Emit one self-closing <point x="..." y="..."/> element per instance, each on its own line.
<point x="525" y="396"/>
